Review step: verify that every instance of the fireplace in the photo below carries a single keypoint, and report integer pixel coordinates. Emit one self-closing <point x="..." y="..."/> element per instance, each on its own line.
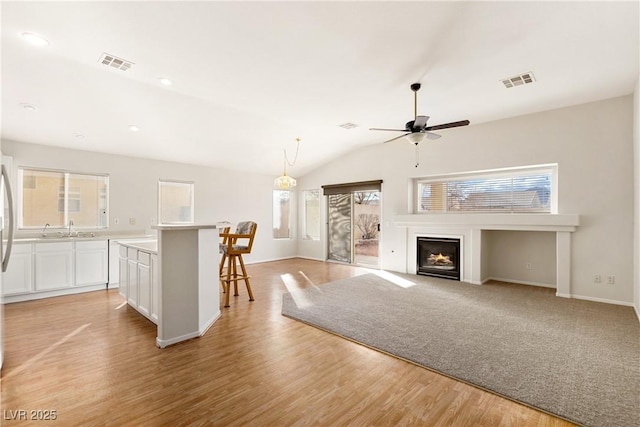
<point x="439" y="257"/>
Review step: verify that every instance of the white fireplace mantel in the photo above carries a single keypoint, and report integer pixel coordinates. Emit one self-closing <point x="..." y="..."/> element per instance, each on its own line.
<point x="469" y="227"/>
<point x="494" y="221"/>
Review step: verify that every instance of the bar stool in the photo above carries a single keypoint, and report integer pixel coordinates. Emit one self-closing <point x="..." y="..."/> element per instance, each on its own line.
<point x="233" y="246"/>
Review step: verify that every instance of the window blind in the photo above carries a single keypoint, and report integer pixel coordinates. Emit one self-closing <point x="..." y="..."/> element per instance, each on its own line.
<point x="516" y="191"/>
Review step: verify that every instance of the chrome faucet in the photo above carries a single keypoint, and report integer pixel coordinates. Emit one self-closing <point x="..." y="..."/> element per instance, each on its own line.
<point x="44" y="230"/>
<point x="70" y="224"/>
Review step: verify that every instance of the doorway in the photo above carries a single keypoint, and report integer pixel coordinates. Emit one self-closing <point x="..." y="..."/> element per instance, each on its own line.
<point x="354" y="227"/>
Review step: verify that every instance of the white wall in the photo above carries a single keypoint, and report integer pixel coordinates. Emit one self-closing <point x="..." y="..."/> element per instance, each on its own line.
<point x="219" y="194"/>
<point x="592" y="144"/>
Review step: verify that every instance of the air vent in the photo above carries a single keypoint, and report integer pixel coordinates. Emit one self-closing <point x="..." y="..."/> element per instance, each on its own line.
<point x="115" y="62"/>
<point x="519" y="80"/>
<point x="348" y="125"/>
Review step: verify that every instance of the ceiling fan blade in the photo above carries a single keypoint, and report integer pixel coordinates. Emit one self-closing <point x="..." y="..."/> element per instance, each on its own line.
<point x="397" y="137"/>
<point x="448" y="125"/>
<point x="420" y="122"/>
<point x="431" y="135"/>
<point x="393" y="130"/>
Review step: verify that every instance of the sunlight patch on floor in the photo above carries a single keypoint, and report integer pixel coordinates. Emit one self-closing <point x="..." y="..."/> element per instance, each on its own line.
<point x="295" y="290"/>
<point x="46" y="351"/>
<point x="396" y="280"/>
<point x="121" y="305"/>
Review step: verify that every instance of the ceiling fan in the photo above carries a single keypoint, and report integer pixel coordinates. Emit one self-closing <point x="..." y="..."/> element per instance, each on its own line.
<point x="417" y="130"/>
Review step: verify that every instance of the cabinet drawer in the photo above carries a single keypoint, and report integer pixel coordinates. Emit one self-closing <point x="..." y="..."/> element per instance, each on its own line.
<point x="54" y="247"/>
<point x="123" y="251"/>
<point x="132" y="253"/>
<point x="144" y="258"/>
<point x="91" y="245"/>
<point x="21" y="248"/>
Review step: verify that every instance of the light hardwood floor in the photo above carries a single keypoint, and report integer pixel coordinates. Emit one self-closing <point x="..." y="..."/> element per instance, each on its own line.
<point x="92" y="360"/>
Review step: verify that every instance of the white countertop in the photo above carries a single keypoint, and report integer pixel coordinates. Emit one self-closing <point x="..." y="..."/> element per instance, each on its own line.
<point x="183" y="226"/>
<point x="53" y="237"/>
<point x="150" y="246"/>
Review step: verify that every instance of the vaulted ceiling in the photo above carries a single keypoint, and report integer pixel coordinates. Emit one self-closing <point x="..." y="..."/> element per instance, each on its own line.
<point x="248" y="78"/>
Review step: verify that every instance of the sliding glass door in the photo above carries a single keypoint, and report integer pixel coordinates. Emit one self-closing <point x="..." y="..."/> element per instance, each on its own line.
<point x="339" y="235"/>
<point x="354" y="227"/>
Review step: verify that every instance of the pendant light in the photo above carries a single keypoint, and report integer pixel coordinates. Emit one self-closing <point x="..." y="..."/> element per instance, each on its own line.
<point x="285" y="182"/>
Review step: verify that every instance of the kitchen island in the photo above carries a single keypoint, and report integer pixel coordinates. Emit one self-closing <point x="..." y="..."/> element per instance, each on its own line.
<point x="187" y="280"/>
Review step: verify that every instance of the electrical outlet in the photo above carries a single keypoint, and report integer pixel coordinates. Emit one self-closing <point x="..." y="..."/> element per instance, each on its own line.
<point x="528" y="266"/>
<point x="116" y="221"/>
<point x="152" y="221"/>
<point x="597" y="278"/>
<point x="132" y="221"/>
<point x="611" y="280"/>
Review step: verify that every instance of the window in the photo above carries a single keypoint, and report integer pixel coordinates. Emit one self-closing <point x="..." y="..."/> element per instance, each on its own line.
<point x="57" y="197"/>
<point x="312" y="214"/>
<point x="526" y="189"/>
<point x="282" y="214"/>
<point x="175" y="202"/>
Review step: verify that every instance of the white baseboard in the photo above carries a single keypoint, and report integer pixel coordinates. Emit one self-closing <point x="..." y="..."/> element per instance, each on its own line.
<point x="55" y="293"/>
<point x="200" y="332"/>
<point x="269" y="260"/>
<point x="519" y="282"/>
<point x="605" y="300"/>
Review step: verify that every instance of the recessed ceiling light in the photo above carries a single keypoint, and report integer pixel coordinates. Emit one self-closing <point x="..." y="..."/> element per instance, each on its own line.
<point x="165" y="81"/>
<point x="29" y="107"/>
<point x="35" y="39"/>
<point x="134" y="128"/>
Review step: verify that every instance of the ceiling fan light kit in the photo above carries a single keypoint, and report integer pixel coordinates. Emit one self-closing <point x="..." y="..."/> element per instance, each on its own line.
<point x="417" y="130"/>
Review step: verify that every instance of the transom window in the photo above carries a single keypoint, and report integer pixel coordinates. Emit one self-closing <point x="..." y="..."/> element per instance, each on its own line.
<point x="58" y="197"/>
<point x="523" y="189"/>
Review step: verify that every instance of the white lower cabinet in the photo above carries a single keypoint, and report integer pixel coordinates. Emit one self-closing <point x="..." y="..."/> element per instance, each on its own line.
<point x="44" y="269"/>
<point x="18" y="279"/>
<point x="114" y="263"/>
<point x="132" y="291"/>
<point x="123" y="273"/>
<point x="54" y="266"/>
<point x="144" y="289"/>
<point x="91" y="262"/>
<point x="155" y="291"/>
<point x="139" y="281"/>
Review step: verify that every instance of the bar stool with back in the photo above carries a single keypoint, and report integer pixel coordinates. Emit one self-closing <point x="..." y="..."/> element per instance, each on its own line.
<point x="233" y="246"/>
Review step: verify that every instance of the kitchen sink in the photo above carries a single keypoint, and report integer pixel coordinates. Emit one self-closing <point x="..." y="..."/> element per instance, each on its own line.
<point x="67" y="236"/>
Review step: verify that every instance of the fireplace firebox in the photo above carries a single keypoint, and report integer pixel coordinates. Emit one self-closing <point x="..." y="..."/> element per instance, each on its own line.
<point x="439" y="257"/>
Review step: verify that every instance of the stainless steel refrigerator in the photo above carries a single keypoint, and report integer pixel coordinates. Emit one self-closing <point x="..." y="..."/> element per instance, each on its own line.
<point x="6" y="234"/>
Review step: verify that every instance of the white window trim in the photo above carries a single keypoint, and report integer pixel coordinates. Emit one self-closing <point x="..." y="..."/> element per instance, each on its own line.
<point x="66" y="174"/>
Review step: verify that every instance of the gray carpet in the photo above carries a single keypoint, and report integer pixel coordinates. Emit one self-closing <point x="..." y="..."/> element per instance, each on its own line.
<point x="577" y="359"/>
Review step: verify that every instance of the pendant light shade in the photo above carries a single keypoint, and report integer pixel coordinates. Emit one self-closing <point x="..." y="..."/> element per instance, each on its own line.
<point x="285" y="182"/>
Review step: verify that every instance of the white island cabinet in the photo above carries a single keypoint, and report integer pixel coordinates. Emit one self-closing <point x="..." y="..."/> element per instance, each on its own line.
<point x="138" y="277"/>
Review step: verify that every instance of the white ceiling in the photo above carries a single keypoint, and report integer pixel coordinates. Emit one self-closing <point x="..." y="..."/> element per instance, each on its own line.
<point x="250" y="77"/>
